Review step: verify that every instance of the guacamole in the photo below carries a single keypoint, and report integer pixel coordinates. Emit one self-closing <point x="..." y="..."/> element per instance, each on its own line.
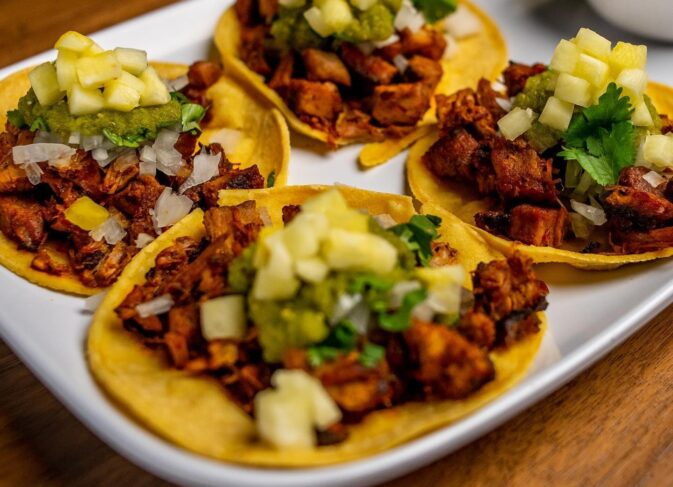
<point x="144" y="121"/>
<point x="535" y="95"/>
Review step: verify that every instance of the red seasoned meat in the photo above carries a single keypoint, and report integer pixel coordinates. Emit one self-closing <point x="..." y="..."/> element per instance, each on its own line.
<point x="282" y="76"/>
<point x="534" y="225"/>
<point x="630" y="208"/>
<point x="313" y="99"/>
<point x="426" y="42"/>
<point x="400" y="104"/>
<point x="252" y="49"/>
<point x="325" y="66"/>
<point x="203" y="74"/>
<point x="426" y="70"/>
<point x="516" y="75"/>
<point x="21" y="220"/>
<point x="373" y="68"/>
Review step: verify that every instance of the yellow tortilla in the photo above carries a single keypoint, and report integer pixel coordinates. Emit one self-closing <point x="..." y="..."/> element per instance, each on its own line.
<point x="481" y="56"/>
<point x="463" y="201"/>
<point x="194" y="411"/>
<point x="265" y="142"/>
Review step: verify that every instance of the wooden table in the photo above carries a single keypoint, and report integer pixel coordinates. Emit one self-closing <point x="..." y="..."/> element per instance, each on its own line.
<point x="613" y="425"/>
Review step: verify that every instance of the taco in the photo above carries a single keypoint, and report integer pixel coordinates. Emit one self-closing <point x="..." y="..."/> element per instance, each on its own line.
<point x="268" y="333"/>
<point x="363" y="71"/>
<point x="89" y="178"/>
<point x="566" y="163"/>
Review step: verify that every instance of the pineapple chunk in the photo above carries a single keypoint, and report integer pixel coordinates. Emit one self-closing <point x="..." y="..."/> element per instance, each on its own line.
<point x="132" y="81"/>
<point x="440" y="277"/>
<point x="311" y="269"/>
<point x="305" y="233"/>
<point x="66" y="69"/>
<point x="155" y="92"/>
<point x="86" y="213"/>
<point x="283" y="419"/>
<point x="44" y="82"/>
<point x="132" y="60"/>
<point x="223" y="317"/>
<point x="658" y="150"/>
<point x="93" y="49"/>
<point x="94" y="71"/>
<point x="641" y="116"/>
<point x="516" y="123"/>
<point x="120" y="96"/>
<point x="73" y="41"/>
<point x="628" y="56"/>
<point x="573" y="90"/>
<point x="557" y="114"/>
<point x="634" y="82"/>
<point x="593" y="70"/>
<point x="316" y="20"/>
<point x="594" y="44"/>
<point x="337" y="14"/>
<point x="84" y="101"/>
<point x="363" y="4"/>
<point x="344" y="250"/>
<point x="275" y="279"/>
<point x="565" y="57"/>
<point x="333" y="205"/>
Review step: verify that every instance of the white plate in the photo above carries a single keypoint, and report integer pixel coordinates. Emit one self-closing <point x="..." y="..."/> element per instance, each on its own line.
<point x="590" y="313"/>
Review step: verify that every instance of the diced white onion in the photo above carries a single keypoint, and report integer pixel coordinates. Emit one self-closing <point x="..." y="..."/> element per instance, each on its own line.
<point x="90" y="142"/>
<point x="386" y="42"/>
<point x="149" y="168"/>
<point x="170" y="208"/>
<point x="409" y="18"/>
<point x="42" y="137"/>
<point x="504" y="103"/>
<point x="654" y="178"/>
<point x="227" y="138"/>
<point x="99" y="154"/>
<point x="147" y="154"/>
<point x="344" y="306"/>
<point x="159" y="305"/>
<point x="593" y="214"/>
<point x="452" y="47"/>
<point x="178" y="83"/>
<point x="401" y="63"/>
<point x="41" y="152"/>
<point x="385" y="220"/>
<point x="265" y="217"/>
<point x="169" y="160"/>
<point x="206" y="167"/>
<point x="143" y="240"/>
<point x="74" y="138"/>
<point x="111" y="230"/>
<point x="400" y="290"/>
<point x="92" y="303"/>
<point x="462" y="23"/>
<point x="499" y="87"/>
<point x="33" y="172"/>
<point x="359" y="317"/>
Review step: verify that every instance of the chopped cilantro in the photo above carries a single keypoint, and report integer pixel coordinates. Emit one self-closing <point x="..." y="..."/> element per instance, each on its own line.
<point x="192" y="114"/>
<point x="177" y="96"/>
<point x="271" y="179"/>
<point x="15" y="117"/>
<point x="602" y="137"/>
<point x="434" y="10"/>
<point x="400" y="320"/>
<point x="371" y="355"/>
<point x="39" y="124"/>
<point x="131" y="141"/>
<point x="342" y="339"/>
<point x="418" y="234"/>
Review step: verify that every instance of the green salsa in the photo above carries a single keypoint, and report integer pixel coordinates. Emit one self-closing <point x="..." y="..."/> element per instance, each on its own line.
<point x="290" y="30"/>
<point x="374" y="24"/>
<point x="534" y="96"/>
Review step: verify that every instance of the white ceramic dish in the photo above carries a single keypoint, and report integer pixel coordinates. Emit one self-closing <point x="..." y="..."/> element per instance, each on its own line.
<point x="648" y="18"/>
<point x="590" y="313"/>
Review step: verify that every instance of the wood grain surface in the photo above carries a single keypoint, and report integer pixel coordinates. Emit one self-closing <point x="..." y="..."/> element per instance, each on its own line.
<point x="613" y="425"/>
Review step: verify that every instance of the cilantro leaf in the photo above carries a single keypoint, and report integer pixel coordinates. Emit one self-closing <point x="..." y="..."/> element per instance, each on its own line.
<point x="602" y="137"/>
<point x="178" y="96"/>
<point x="418" y="234"/>
<point x="39" y="124"/>
<point x="342" y="339"/>
<point x="15" y="117"/>
<point x="400" y="320"/>
<point x="132" y="141"/>
<point x="371" y="355"/>
<point x="271" y="179"/>
<point x="192" y="114"/>
<point x="362" y="282"/>
<point x="434" y="10"/>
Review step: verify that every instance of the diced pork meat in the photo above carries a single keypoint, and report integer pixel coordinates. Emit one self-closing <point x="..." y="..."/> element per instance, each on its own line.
<point x="325" y="66"/>
<point x="516" y="75"/>
<point x="400" y="104"/>
<point x="373" y="68"/>
<point x="313" y="99"/>
<point x="21" y="220"/>
<point x="535" y="225"/>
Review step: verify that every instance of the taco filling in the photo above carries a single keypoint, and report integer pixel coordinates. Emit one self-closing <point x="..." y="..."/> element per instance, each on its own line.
<point x="572" y="155"/>
<point x="358" y="70"/>
<point x="100" y="156"/>
<point x="311" y="327"/>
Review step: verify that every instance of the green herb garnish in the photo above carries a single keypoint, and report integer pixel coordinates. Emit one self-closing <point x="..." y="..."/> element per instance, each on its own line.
<point x="192" y="114"/>
<point x="271" y="179"/>
<point x="400" y="320"/>
<point x="418" y="234"/>
<point x="15" y="117"/>
<point x="132" y="141"/>
<point x="371" y="355"/>
<point x="39" y="124"/>
<point x="434" y="10"/>
<point x="342" y="339"/>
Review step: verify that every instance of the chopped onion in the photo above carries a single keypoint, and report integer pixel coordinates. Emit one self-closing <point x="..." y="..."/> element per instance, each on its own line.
<point x="170" y="208"/>
<point x="582" y="227"/>
<point x="33" y="172"/>
<point x="111" y="230"/>
<point x="74" y="138"/>
<point x="265" y="217"/>
<point x="504" y="103"/>
<point x="423" y="312"/>
<point x="452" y="47"/>
<point x="143" y="240"/>
<point x="654" y="178"/>
<point x="42" y="137"/>
<point x="227" y="138"/>
<point x="593" y="214"/>
<point x="385" y="220"/>
<point x="206" y="167"/>
<point x="92" y="303"/>
<point x="41" y="152"/>
<point x="360" y="317"/>
<point x="90" y="142"/>
<point x="147" y="154"/>
<point x="169" y="160"/>
<point x="149" y="168"/>
<point x="344" y="306"/>
<point x="386" y="42"/>
<point x="159" y="305"/>
<point x="178" y="83"/>
<point x="400" y="290"/>
<point x="499" y="87"/>
<point x="408" y="17"/>
<point x="99" y="154"/>
<point x="462" y="23"/>
<point x="401" y="63"/>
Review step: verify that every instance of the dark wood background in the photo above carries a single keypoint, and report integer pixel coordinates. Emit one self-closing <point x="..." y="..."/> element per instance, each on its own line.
<point x="613" y="425"/>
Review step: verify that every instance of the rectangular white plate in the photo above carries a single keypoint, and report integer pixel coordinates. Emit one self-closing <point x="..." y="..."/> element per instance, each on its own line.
<point x="590" y="313"/>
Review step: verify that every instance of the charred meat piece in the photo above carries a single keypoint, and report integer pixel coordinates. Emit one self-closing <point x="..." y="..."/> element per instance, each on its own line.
<point x="83" y="171"/>
<point x="321" y="100"/>
<point x="120" y="173"/>
<point x="246" y="12"/>
<point x="425" y="42"/>
<point x="400" y="104"/>
<point x="462" y="109"/>
<point x="666" y="124"/>
<point x="268" y="9"/>
<point x="633" y="178"/>
<point x="64" y="190"/>
<point x="243" y="219"/>
<point x="289" y="212"/>
<point x="516" y="75"/>
<point x="446" y="363"/>
<point x="139" y="197"/>
<point x="13" y="179"/>
<point x="325" y="66"/>
<point x="478" y="328"/>
<point x="111" y="266"/>
<point x="534" y="225"/>
<point x="487" y="97"/>
<point x="639" y="242"/>
<point x="248" y="178"/>
<point x="44" y="262"/>
<point x="373" y="68"/>
<point x="252" y="49"/>
<point x="21" y="220"/>
<point x="629" y="208"/>
<point x="355" y="124"/>
<point x="426" y="70"/>
<point x="494" y="221"/>
<point x="183" y="331"/>
<point x="521" y="175"/>
<point x="173" y="258"/>
<point x="443" y="254"/>
<point x="204" y="74"/>
<point x="282" y="76"/>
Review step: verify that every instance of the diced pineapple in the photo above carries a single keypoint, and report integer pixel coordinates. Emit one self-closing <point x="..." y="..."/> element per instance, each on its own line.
<point x="120" y="96"/>
<point x="337" y="14"/>
<point x="132" y="81"/>
<point x="93" y="49"/>
<point x="557" y="114"/>
<point x="44" y="82"/>
<point x="628" y="56"/>
<point x="345" y="250"/>
<point x="73" y="41"/>
<point x="155" y="92"/>
<point x="316" y="20"/>
<point x="565" y="57"/>
<point x="305" y="233"/>
<point x="283" y="419"/>
<point x="439" y="277"/>
<point x="593" y="70"/>
<point x="223" y="317"/>
<point x="94" y="71"/>
<point x="66" y="69"/>
<point x="311" y="269"/>
<point x="132" y="60"/>
<point x="516" y="123"/>
<point x="641" y="116"/>
<point x="86" y="213"/>
<point x="573" y="90"/>
<point x="275" y="279"/>
<point x="84" y="101"/>
<point x="594" y="44"/>
<point x="658" y="150"/>
<point x="333" y="205"/>
<point x="363" y="4"/>
<point x="634" y="82"/>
